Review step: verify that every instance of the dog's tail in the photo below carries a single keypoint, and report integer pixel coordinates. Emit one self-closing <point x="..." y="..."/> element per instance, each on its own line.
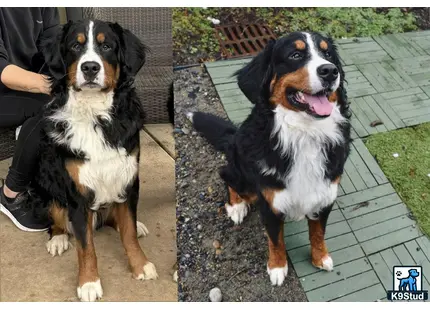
<point x="216" y="130"/>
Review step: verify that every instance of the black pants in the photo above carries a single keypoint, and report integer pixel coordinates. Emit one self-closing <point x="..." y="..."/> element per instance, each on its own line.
<point x="16" y="109"/>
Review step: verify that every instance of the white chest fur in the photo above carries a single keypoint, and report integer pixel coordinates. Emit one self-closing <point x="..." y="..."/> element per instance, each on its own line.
<point x="307" y="190"/>
<point x="107" y="171"/>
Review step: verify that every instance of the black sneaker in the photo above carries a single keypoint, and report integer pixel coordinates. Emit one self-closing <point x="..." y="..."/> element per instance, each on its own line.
<point x="20" y="213"/>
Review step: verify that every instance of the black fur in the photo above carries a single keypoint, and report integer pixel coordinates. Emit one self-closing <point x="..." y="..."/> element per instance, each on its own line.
<point x="252" y="142"/>
<point x="52" y="182"/>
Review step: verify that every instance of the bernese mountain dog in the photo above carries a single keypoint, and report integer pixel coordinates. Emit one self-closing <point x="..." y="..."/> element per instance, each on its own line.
<point x="288" y="156"/>
<point x="88" y="174"/>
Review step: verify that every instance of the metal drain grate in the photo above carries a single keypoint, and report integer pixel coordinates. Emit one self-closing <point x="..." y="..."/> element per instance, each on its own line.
<point x="243" y="40"/>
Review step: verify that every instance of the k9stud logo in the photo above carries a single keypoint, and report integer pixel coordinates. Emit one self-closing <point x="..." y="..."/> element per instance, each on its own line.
<point x="407" y="284"/>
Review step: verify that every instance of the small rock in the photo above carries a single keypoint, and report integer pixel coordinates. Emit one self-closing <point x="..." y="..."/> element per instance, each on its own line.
<point x="199" y="227"/>
<point x="216" y="244"/>
<point x="215" y="295"/>
<point x="218" y="251"/>
<point x="210" y="190"/>
<point x="396" y="155"/>
<point x="185" y="130"/>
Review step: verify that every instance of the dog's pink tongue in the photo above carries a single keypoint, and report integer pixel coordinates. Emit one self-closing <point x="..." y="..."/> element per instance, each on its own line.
<point x="320" y="104"/>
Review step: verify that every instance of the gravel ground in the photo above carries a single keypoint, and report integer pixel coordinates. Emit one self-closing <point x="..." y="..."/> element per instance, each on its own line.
<point x="212" y="252"/>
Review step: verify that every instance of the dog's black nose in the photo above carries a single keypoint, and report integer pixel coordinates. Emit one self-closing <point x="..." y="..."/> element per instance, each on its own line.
<point x="328" y="72"/>
<point x="90" y="69"/>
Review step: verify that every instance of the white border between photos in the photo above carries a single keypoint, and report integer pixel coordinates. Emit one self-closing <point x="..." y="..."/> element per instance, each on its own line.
<point x="225" y="3"/>
<point x="210" y="306"/>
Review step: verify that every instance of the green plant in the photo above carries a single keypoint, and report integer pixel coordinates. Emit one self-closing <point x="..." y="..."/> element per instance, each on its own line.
<point x="193" y="33"/>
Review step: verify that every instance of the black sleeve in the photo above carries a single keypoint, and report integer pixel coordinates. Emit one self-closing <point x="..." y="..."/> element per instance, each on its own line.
<point x="51" y="22"/>
<point x="4" y="58"/>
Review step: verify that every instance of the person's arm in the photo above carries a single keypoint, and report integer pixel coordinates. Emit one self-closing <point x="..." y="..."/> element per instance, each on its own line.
<point x="16" y="78"/>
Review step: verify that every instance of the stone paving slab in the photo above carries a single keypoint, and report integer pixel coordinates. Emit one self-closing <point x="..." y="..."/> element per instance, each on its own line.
<point x="370" y="229"/>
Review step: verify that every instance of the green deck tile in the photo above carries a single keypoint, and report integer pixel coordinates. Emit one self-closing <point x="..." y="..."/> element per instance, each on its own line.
<point x="294" y="227"/>
<point x="346" y="182"/>
<point x="376" y="217"/>
<point x="397" y="46"/>
<point x="364" y="90"/>
<point x="378" y="76"/>
<point x="384" y="272"/>
<point x="351" y="68"/>
<point x="392" y="239"/>
<point x="420" y="259"/>
<point x="390" y="258"/>
<point x="341" y="272"/>
<point x="407" y="260"/>
<point x="424" y="244"/>
<point x="385" y="105"/>
<point x="372" y="293"/>
<point x="383" y="228"/>
<point x="426" y="90"/>
<point x="339" y="257"/>
<point x="379" y="113"/>
<point x="365" y="195"/>
<point x="301" y="239"/>
<point x="344" y="287"/>
<point x="358" y="127"/>
<point x="420" y="39"/>
<point x="401" y="93"/>
<point x="362" y="116"/>
<point x="372" y="205"/>
<point x="226" y="63"/>
<point x="362" y="169"/>
<point x="417" y="120"/>
<point x="370" y="161"/>
<point x="340" y="191"/>
<point x="333" y="244"/>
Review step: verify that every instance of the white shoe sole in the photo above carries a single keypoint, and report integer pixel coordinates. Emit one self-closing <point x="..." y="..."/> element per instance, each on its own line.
<point x="17" y="224"/>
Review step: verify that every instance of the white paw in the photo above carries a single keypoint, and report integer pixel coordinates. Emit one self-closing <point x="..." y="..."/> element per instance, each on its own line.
<point x="190" y="116"/>
<point x="58" y="244"/>
<point x="142" y="231"/>
<point x="149" y="272"/>
<point x="237" y="212"/>
<point x="175" y="276"/>
<point x="90" y="291"/>
<point x="327" y="263"/>
<point x="277" y="275"/>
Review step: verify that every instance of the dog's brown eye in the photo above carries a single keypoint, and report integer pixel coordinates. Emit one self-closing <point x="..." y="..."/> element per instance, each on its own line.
<point x="76" y="47"/>
<point x="296" y="55"/>
<point x="106" y="47"/>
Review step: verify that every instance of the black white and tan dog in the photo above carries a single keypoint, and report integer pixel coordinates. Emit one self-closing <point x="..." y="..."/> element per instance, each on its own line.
<point x="288" y="156"/>
<point x="89" y="163"/>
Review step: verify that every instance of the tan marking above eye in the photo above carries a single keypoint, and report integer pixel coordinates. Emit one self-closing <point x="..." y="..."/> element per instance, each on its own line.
<point x="81" y="38"/>
<point x="300" y="45"/>
<point x="323" y="45"/>
<point x="101" y="37"/>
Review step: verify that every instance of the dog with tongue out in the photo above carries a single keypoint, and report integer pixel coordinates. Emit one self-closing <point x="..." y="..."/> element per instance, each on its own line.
<point x="288" y="156"/>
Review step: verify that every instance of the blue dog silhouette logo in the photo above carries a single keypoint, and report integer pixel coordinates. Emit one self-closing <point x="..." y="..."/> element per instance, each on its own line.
<point x="407" y="284"/>
<point x="410" y="282"/>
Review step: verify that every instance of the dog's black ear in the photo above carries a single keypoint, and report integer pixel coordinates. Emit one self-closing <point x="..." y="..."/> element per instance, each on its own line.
<point x="254" y="79"/>
<point x="53" y="50"/>
<point x="342" y="97"/>
<point x="132" y="52"/>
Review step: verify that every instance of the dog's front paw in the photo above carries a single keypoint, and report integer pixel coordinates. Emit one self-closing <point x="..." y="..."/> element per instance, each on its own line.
<point x="277" y="275"/>
<point x="149" y="272"/>
<point x="58" y="244"/>
<point x="142" y="231"/>
<point x="90" y="291"/>
<point x="326" y="263"/>
<point x="237" y="212"/>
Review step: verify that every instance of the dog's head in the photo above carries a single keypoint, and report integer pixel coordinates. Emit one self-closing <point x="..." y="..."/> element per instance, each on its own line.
<point x="94" y="55"/>
<point x="301" y="71"/>
<point x="414" y="273"/>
